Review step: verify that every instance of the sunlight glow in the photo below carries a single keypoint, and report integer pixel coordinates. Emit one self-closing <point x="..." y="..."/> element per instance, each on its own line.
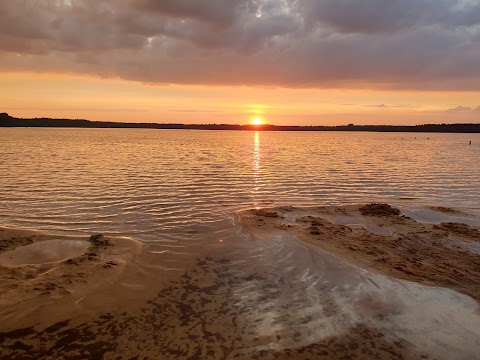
<point x="94" y="98"/>
<point x="257" y="121"/>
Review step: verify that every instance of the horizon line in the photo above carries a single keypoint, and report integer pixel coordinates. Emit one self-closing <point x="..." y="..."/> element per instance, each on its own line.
<point x="4" y="115"/>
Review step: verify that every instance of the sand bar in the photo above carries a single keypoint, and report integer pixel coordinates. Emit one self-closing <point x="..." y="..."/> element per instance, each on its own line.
<point x="378" y="236"/>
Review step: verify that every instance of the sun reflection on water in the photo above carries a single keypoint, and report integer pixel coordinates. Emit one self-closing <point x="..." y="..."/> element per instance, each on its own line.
<point x="256" y="164"/>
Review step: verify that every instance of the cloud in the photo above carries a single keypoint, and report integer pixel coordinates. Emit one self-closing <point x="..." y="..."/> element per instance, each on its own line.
<point x="379" y="16"/>
<point x="383" y="106"/>
<point x="193" y="111"/>
<point x="218" y="12"/>
<point x="463" y="109"/>
<point x="346" y="16"/>
<point x="406" y="44"/>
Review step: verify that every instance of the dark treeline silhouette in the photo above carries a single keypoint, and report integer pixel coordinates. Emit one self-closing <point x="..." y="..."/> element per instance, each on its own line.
<point x="9" y="121"/>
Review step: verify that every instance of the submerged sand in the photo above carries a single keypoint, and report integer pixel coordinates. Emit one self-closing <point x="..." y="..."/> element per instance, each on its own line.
<point x="380" y="237"/>
<point x="304" y="283"/>
<point x="40" y="271"/>
<point x="44" y="252"/>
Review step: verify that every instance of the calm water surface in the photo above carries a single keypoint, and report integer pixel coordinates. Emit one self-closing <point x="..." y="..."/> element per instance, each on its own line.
<point x="143" y="183"/>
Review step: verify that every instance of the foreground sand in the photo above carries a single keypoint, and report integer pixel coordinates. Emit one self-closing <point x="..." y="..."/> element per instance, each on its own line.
<point x="442" y="254"/>
<point x="236" y="301"/>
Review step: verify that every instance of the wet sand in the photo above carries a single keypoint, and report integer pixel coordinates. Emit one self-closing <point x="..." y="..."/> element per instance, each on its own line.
<point x="303" y="283"/>
<point x="38" y="272"/>
<point x="192" y="318"/>
<point x="383" y="239"/>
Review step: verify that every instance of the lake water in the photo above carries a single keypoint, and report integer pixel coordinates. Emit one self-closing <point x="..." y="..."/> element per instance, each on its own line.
<point x="178" y="192"/>
<point x="143" y="183"/>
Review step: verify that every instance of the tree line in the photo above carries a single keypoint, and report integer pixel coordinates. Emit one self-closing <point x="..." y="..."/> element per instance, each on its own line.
<point x="9" y="121"/>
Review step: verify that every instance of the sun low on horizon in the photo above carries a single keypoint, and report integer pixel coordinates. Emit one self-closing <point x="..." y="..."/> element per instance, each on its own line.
<point x="257" y="121"/>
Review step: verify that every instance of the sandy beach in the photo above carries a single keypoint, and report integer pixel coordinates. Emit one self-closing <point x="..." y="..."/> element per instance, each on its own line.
<point x="371" y="272"/>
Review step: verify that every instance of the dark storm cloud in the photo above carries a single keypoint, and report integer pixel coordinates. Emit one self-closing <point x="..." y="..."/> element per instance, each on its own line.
<point x="380" y="16"/>
<point x="221" y="12"/>
<point x="371" y="16"/>
<point x="416" y="44"/>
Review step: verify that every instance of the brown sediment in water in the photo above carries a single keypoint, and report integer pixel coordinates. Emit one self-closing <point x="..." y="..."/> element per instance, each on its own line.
<point x="432" y="254"/>
<point x="447" y="210"/>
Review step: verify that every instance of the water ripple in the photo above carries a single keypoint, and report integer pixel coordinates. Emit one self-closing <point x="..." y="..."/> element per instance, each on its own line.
<point x="176" y="183"/>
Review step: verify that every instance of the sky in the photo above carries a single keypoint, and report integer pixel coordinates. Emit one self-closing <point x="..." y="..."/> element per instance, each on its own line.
<point x="288" y="62"/>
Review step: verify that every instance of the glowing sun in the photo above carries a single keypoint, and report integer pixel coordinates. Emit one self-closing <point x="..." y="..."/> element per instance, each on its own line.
<point x="257" y="121"/>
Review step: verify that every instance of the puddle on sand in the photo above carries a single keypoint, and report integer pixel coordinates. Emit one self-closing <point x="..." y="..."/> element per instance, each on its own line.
<point x="44" y="252"/>
<point x="434" y="215"/>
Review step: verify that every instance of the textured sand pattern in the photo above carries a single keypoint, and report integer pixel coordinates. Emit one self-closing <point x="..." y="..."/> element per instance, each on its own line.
<point x="196" y="317"/>
<point x="96" y="261"/>
<point x="408" y="249"/>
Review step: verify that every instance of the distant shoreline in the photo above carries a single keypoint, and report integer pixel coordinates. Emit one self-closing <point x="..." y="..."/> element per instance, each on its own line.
<point x="9" y="121"/>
